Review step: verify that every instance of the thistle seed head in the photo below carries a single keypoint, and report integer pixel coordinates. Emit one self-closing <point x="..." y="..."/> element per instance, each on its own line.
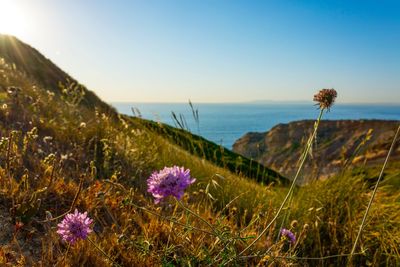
<point x="325" y="98"/>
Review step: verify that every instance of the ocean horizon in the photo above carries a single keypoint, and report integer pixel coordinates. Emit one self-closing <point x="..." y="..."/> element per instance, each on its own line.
<point x="224" y="123"/>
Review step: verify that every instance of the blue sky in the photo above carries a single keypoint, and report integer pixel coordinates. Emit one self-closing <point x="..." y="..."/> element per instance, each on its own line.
<point x="220" y="50"/>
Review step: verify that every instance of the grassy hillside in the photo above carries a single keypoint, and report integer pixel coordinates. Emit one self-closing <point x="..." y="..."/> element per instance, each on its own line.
<point x="58" y="153"/>
<point x="34" y="66"/>
<point x="217" y="154"/>
<point x="42" y="71"/>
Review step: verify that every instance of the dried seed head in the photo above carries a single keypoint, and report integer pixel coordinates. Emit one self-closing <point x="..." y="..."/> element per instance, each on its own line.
<point x="325" y="98"/>
<point x="294" y="224"/>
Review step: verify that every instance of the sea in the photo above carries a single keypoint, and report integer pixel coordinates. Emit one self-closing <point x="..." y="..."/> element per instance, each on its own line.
<point x="225" y="123"/>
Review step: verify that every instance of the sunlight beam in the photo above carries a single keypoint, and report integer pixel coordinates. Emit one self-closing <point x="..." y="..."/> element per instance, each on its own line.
<point x="12" y="18"/>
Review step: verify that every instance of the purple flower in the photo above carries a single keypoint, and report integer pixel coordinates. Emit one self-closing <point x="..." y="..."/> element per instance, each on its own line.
<point x="75" y="226"/>
<point x="289" y="235"/>
<point x="170" y="181"/>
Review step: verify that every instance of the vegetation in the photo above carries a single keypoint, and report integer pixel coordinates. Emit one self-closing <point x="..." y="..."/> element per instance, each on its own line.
<point x="217" y="154"/>
<point x="58" y="153"/>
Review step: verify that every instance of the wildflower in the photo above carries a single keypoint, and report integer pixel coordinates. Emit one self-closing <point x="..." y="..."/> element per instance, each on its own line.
<point x="170" y="181"/>
<point x="289" y="235"/>
<point x="75" y="226"/>
<point x="325" y="98"/>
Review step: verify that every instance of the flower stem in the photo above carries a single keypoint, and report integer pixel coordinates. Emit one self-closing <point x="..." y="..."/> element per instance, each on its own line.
<point x="292" y="185"/>
<point x="373" y="196"/>
<point x="103" y="252"/>
<point x="285" y="217"/>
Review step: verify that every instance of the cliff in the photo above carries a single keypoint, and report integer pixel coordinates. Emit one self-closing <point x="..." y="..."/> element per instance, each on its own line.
<point x="364" y="142"/>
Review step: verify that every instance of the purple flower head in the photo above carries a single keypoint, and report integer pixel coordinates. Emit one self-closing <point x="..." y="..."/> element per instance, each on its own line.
<point x="289" y="235"/>
<point x="75" y="226"/>
<point x="170" y="181"/>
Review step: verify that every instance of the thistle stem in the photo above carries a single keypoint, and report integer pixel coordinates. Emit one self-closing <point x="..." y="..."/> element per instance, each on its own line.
<point x="287" y="215"/>
<point x="373" y="196"/>
<point x="292" y="185"/>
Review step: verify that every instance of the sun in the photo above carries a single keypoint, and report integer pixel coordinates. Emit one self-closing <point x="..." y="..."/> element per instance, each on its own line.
<point x="12" y="18"/>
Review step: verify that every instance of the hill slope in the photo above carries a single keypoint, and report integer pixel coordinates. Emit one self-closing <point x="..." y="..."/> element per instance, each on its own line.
<point x="43" y="72"/>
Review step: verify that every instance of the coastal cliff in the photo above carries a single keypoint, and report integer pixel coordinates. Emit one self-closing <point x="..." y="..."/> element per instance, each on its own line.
<point x="364" y="142"/>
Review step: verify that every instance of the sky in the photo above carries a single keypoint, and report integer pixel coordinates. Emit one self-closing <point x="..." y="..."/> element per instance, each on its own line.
<point x="217" y="50"/>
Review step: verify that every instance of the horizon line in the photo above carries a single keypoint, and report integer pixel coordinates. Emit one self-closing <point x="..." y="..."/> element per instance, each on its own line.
<point x="253" y="102"/>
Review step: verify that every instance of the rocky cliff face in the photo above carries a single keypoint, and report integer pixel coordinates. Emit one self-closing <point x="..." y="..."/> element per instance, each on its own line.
<point x="337" y="143"/>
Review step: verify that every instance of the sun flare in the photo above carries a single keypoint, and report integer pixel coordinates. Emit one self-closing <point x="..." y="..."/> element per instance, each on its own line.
<point x="12" y="18"/>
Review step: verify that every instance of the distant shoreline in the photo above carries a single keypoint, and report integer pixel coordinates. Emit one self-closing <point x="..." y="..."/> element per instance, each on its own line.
<point x="253" y="103"/>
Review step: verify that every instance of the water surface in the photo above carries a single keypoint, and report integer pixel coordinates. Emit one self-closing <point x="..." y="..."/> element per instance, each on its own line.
<point x="225" y="123"/>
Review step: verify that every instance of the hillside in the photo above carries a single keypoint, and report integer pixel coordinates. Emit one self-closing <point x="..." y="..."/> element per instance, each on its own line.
<point x="42" y="71"/>
<point x="365" y="142"/>
<point x="30" y="63"/>
<point x="65" y="149"/>
<point x="217" y="154"/>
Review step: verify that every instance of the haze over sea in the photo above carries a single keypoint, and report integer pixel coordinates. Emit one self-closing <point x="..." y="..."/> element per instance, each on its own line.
<point x="225" y="123"/>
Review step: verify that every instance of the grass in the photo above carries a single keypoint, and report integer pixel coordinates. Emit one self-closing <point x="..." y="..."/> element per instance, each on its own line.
<point x="210" y="151"/>
<point x="57" y="154"/>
